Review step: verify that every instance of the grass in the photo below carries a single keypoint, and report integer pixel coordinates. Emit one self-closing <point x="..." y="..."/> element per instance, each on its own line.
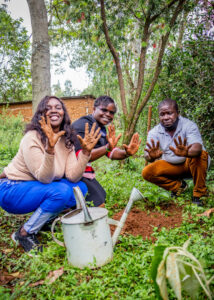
<point x="127" y="276"/>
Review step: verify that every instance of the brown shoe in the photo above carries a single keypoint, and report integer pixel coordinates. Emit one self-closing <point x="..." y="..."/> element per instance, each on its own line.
<point x="181" y="189"/>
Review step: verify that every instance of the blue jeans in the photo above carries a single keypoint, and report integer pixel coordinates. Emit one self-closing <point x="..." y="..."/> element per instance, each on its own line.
<point x="45" y="200"/>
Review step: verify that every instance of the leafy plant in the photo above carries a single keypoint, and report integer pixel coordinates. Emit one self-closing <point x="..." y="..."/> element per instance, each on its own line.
<point x="11" y="128"/>
<point x="179" y="268"/>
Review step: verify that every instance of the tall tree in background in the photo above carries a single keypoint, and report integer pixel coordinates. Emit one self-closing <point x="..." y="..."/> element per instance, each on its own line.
<point x="128" y="31"/>
<point x="40" y="60"/>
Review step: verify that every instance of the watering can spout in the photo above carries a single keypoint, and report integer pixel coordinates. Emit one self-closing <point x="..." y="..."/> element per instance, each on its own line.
<point x="135" y="196"/>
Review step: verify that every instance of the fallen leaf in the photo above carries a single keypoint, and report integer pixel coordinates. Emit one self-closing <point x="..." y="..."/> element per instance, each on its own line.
<point x="52" y="276"/>
<point x="5" y="251"/>
<point x="4" y="279"/>
<point x="16" y="275"/>
<point x="207" y="213"/>
<point x="40" y="282"/>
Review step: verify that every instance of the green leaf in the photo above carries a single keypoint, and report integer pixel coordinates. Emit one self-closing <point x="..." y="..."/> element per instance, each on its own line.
<point x="161" y="280"/>
<point x="172" y="274"/>
<point x="189" y="282"/>
<point x="158" y="255"/>
<point x="164" y="194"/>
<point x="186" y="244"/>
<point x="144" y="44"/>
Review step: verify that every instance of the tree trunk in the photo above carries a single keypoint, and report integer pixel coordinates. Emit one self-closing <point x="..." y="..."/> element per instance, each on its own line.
<point x="181" y="30"/>
<point x="40" y="61"/>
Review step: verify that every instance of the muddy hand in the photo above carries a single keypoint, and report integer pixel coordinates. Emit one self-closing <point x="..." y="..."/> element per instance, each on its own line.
<point x="48" y="131"/>
<point x="90" y="139"/>
<point x="111" y="137"/>
<point x="181" y="147"/>
<point x="153" y="151"/>
<point x="133" y="146"/>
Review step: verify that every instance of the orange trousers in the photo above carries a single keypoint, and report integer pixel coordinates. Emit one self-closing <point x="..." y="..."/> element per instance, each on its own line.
<point x="168" y="176"/>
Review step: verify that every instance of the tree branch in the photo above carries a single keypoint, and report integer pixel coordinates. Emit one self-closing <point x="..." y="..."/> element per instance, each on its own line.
<point x="164" y="40"/>
<point x="116" y="58"/>
<point x="181" y="30"/>
<point x="141" y="69"/>
<point x="130" y="82"/>
<point x="164" y="8"/>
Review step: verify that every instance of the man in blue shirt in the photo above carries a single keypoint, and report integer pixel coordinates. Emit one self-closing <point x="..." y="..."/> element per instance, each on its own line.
<point x="175" y="150"/>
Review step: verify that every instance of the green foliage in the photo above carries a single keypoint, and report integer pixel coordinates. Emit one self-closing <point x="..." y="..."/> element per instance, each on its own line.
<point x="158" y="254"/>
<point x="15" y="83"/>
<point x="182" y="270"/>
<point x="127" y="276"/>
<point x="188" y="73"/>
<point x="10" y="135"/>
<point x="134" y="31"/>
<point x="115" y="176"/>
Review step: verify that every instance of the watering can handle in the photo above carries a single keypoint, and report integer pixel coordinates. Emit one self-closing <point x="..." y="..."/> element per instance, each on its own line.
<point x="52" y="233"/>
<point x="80" y="200"/>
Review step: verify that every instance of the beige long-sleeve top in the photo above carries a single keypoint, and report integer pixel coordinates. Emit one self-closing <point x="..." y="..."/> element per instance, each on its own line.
<point x="32" y="162"/>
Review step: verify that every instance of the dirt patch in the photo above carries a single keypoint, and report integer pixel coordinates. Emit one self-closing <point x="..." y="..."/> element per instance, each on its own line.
<point x="142" y="223"/>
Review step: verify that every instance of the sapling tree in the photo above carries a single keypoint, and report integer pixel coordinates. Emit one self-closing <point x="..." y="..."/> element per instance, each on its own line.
<point x="181" y="270"/>
<point x="134" y="34"/>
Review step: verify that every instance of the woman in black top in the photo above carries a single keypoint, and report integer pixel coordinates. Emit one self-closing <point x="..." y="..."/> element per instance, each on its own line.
<point x="103" y="114"/>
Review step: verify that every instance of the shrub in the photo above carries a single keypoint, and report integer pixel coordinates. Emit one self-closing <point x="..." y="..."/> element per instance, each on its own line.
<point x="11" y="132"/>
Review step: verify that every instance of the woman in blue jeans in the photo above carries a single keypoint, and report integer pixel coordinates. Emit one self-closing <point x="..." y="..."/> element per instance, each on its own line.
<point x="41" y="177"/>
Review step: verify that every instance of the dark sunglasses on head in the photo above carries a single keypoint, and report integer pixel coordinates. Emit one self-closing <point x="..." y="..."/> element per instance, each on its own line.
<point x="104" y="110"/>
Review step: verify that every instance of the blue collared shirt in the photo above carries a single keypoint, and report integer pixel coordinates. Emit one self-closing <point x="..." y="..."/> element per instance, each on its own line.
<point x="185" y="129"/>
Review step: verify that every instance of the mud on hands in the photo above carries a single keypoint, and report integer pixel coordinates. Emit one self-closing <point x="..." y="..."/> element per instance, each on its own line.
<point x="153" y="150"/>
<point x="111" y="137"/>
<point x="52" y="137"/>
<point x="133" y="146"/>
<point x="181" y="147"/>
<point x="90" y="139"/>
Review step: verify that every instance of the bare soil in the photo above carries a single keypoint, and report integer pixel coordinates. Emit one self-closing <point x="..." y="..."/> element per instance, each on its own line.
<point x="142" y="223"/>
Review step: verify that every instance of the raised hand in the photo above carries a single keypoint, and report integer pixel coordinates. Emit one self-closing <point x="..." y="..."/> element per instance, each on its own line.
<point x="111" y="137"/>
<point x="153" y="151"/>
<point x="181" y="147"/>
<point x="133" y="146"/>
<point x="48" y="131"/>
<point x="90" y="139"/>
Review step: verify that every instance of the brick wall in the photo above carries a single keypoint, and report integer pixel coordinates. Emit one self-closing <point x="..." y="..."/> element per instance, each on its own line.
<point x="77" y="106"/>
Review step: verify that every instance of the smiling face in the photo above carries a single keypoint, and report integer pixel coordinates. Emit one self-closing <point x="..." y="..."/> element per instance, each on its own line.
<point x="168" y="115"/>
<point x="104" y="114"/>
<point x="55" y="112"/>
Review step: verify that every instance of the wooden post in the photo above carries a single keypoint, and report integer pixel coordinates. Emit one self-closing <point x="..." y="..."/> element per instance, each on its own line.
<point x="149" y="124"/>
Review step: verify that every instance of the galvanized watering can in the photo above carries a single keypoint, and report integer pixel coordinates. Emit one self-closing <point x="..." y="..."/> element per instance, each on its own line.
<point x="86" y="231"/>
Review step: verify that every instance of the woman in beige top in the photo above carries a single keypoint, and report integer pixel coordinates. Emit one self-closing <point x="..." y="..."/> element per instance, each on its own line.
<point x="41" y="177"/>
